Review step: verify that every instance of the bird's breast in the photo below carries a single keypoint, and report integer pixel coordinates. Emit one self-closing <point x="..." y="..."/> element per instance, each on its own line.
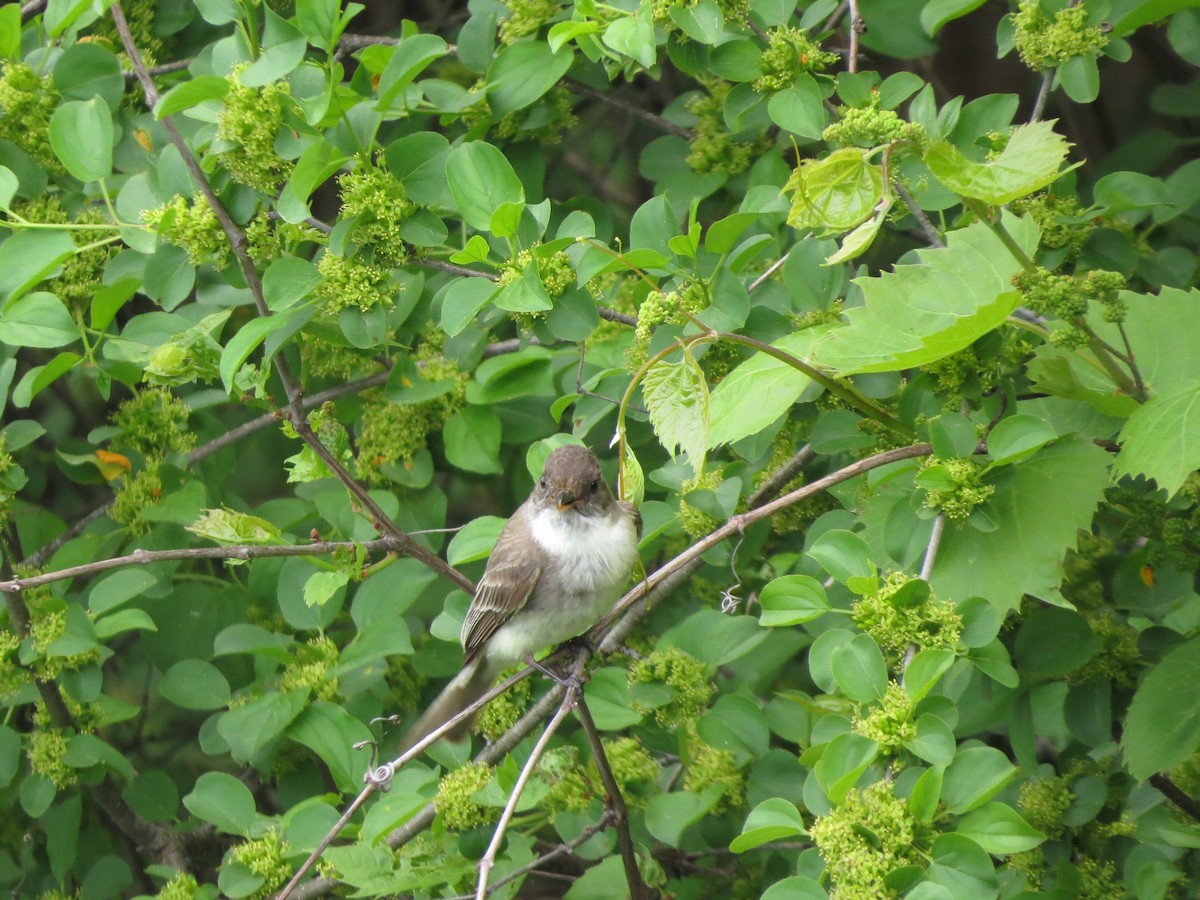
<point x="593" y="553"/>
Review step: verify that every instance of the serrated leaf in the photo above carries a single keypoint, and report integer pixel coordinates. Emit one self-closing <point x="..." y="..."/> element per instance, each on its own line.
<point x="1029" y="162"/>
<point x="836" y="193"/>
<point x="1162" y="728"/>
<point x="633" y="481"/>
<point x="761" y="389"/>
<point x="923" y="312"/>
<point x="1161" y="440"/>
<point x="1038" y="506"/>
<point x="676" y="395"/>
<point x="226" y="526"/>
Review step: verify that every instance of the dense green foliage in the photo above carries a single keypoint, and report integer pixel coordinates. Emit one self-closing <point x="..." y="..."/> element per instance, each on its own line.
<point x="273" y="320"/>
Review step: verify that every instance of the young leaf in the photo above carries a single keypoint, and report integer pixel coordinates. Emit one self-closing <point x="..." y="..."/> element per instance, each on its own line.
<point x="676" y="395"/>
<point x="1163" y="725"/>
<point x="1161" y="440"/>
<point x="1029" y="161"/>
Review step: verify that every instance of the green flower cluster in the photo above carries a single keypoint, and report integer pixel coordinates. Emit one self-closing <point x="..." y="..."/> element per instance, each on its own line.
<point x="326" y="359"/>
<point x="377" y="199"/>
<point x="1043" y="803"/>
<point x="712" y="147"/>
<point x="264" y="857"/>
<point x="13" y="677"/>
<point x="46" y="748"/>
<point x="1043" y="42"/>
<point x="734" y="11"/>
<point x="154" y="422"/>
<point x="890" y="724"/>
<point x="932" y="624"/>
<point x="314" y="668"/>
<point x="789" y="52"/>
<point x="139" y="15"/>
<point x="268" y="239"/>
<point x="306" y="466"/>
<point x="1066" y="298"/>
<point x="556" y="272"/>
<point x="686" y="676"/>
<point x="190" y="355"/>
<point x="246" y="128"/>
<point x="672" y="308"/>
<point x="353" y="281"/>
<point x="544" y="121"/>
<point x="630" y="762"/>
<point x="182" y="886"/>
<point x="1105" y="288"/>
<point x="12" y="478"/>
<point x="27" y="100"/>
<point x="1058" y="219"/>
<point x="525" y="17"/>
<point x="82" y="271"/>
<point x="870" y="126"/>
<point x="969" y="490"/>
<point x="193" y="227"/>
<point x="573" y="786"/>
<point x="503" y="712"/>
<point x="453" y="801"/>
<point x="696" y="523"/>
<point x="392" y="432"/>
<point x="870" y="835"/>
<point x="706" y="766"/>
<point x="46" y="625"/>
<point x="137" y="492"/>
<point x="1119" y="659"/>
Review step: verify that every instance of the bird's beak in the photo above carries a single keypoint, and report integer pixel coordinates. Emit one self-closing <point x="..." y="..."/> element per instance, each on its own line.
<point x="565" y="501"/>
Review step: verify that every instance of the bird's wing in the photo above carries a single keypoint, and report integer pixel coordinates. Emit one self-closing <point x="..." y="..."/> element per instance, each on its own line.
<point x="505" y="587"/>
<point x="634" y="513"/>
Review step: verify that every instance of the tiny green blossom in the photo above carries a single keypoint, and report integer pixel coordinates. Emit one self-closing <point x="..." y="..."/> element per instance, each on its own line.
<point x="137" y="492"/>
<point x="933" y="624"/>
<point x="264" y="857"/>
<point x="695" y="522"/>
<point x="707" y="766"/>
<point x="1044" y="802"/>
<point x="868" y="836"/>
<point x="246" y="128"/>
<point x="1057" y="217"/>
<point x="193" y="227"/>
<point x="504" y="711"/>
<point x="688" y="679"/>
<point x="789" y="52"/>
<point x="314" y="668"/>
<point x="182" y="886"/>
<point x="870" y="127"/>
<point x="453" y="801"/>
<point x="1119" y="659"/>
<point x="969" y="490"/>
<point x="27" y="101"/>
<point x="665" y="308"/>
<point x="154" y="422"/>
<point x="890" y="724"/>
<point x="712" y="147"/>
<point x="378" y="200"/>
<point x="353" y="282"/>
<point x="1044" y="43"/>
<point x="46" y="749"/>
<point x="526" y="17"/>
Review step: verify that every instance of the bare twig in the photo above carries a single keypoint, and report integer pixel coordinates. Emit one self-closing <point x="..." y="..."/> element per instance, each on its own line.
<point x="931" y="233"/>
<point x="782" y="476"/>
<point x="771" y="270"/>
<point x="614" y="801"/>
<point x="628" y="108"/>
<point x="931" y="549"/>
<point x="31" y="9"/>
<point x="1043" y="94"/>
<point x="165" y="69"/>
<point x="518" y="789"/>
<point x="857" y="27"/>
<point x="835" y="16"/>
<point x="1176" y="795"/>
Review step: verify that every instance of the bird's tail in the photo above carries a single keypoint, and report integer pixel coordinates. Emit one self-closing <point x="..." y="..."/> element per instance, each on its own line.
<point x="466" y="687"/>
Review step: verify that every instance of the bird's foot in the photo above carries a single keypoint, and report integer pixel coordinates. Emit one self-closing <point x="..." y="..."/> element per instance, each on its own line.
<point x="566" y="680"/>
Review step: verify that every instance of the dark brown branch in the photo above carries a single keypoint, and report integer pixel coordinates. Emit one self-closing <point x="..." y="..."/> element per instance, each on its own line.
<point x="1175" y="794"/>
<point x="629" y="109"/>
<point x="31" y="9"/>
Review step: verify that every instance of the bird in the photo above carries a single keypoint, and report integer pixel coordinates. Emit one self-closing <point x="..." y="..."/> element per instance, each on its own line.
<point x="560" y="563"/>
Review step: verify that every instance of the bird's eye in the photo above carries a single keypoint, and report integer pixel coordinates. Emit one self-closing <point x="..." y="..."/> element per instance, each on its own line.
<point x="593" y="487"/>
<point x="542" y="482"/>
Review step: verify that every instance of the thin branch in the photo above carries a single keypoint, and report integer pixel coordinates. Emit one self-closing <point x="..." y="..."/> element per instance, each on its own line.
<point x="628" y="108"/>
<point x="178" y="65"/>
<point x="931" y="233"/>
<point x="31" y="9"/>
<point x="614" y="801"/>
<point x="835" y="16"/>
<point x="785" y="473"/>
<point x="612" y="315"/>
<point x="518" y="789"/>
<point x="238" y="551"/>
<point x="1039" y="103"/>
<point x="1176" y="795"/>
<point x="771" y="270"/>
<point x="931" y="549"/>
<point x="857" y="27"/>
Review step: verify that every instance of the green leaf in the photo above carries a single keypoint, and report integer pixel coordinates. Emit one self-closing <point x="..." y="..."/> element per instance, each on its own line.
<point x="676" y="395"/>
<point x="962" y="866"/>
<point x="119" y="588"/>
<point x="462" y="301"/>
<point x="919" y="313"/>
<point x="8" y="187"/>
<point x="89" y="70"/>
<point x="474" y="541"/>
<point x="412" y="55"/>
<point x="799" y="109"/>
<point x="195" y="684"/>
<point x="792" y="600"/>
<point x="923" y="801"/>
<point x="472" y="439"/>
<point x="289" y="280"/>
<point x="934" y="741"/>
<point x="1018" y="437"/>
<point x="843" y="554"/>
<point x="924" y="670"/>
<point x="772" y="820"/>
<point x="975" y="776"/>
<point x="702" y="21"/>
<point x="320" y="587"/>
<point x="191" y="93"/>
<point x="37" y="320"/>
<point x="223" y="801"/>
<point x="937" y="13"/>
<point x="667" y="815"/>
<point x="1161" y="440"/>
<point x="795" y="887"/>
<point x="835" y="193"/>
<point x="859" y="669"/>
<point x="122" y="621"/>
<point x="1038" y="506"/>
<point x="248" y="729"/>
<point x="247" y="339"/>
<point x="761" y="389"/>
<point x="283" y="48"/>
<point x="331" y="733"/>
<point x="226" y="526"/>
<point x="1029" y="162"/>
<point x="841" y="765"/>
<point x="481" y="179"/>
<point x="999" y="830"/>
<point x="81" y="134"/>
<point x="28" y="257"/>
<point x="153" y="795"/>
<point x="633" y="37"/>
<point x="523" y="72"/>
<point x="1162" y="728"/>
<point x="1080" y="78"/>
<point x="1053" y="642"/>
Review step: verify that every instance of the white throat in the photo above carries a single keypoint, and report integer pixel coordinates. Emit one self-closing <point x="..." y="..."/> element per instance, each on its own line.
<point x="596" y="553"/>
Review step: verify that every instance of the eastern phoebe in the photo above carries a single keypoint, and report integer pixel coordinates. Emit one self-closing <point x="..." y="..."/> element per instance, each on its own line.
<point x="559" y="564"/>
